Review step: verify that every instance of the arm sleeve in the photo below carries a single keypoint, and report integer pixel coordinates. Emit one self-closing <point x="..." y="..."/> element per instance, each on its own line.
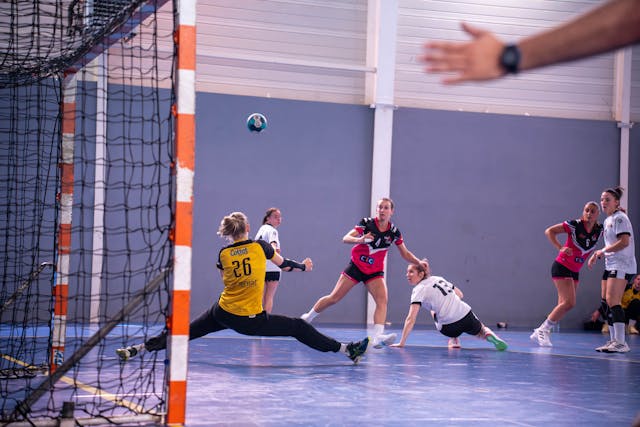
<point x="289" y="263"/>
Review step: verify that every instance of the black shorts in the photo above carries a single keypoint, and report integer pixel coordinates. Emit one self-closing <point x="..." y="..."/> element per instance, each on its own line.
<point x="272" y="276"/>
<point x="560" y="271"/>
<point x="354" y="273"/>
<point x="468" y="324"/>
<point x="617" y="274"/>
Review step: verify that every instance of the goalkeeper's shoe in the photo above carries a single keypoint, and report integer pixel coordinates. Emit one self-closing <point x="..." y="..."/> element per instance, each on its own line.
<point x="129" y="352"/>
<point x="356" y="350"/>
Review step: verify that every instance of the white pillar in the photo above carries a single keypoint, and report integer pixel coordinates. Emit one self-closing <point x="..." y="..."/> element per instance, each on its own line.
<point x="381" y="54"/>
<point x="99" y="189"/>
<point x="622" y="113"/>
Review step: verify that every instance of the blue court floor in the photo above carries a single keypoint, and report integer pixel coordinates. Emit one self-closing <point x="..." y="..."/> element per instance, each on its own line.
<point x="234" y="380"/>
<point x="242" y="381"/>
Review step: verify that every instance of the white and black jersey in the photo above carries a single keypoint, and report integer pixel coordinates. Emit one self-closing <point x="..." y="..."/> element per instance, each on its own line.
<point x="436" y="294"/>
<point x="269" y="234"/>
<point x="616" y="225"/>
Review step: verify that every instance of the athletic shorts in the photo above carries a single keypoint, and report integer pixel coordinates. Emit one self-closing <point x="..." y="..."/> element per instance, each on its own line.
<point x="618" y="274"/>
<point x="468" y="324"/>
<point x="272" y="276"/>
<point x="354" y="273"/>
<point x="559" y="271"/>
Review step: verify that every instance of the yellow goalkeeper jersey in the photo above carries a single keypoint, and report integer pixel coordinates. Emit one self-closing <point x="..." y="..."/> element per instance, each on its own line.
<point x="243" y="266"/>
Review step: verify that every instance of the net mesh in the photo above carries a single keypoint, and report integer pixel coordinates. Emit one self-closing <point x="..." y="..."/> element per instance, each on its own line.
<point x="122" y="211"/>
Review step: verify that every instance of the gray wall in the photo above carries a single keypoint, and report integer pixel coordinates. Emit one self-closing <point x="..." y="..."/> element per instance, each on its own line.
<point x="474" y="193"/>
<point x="312" y="162"/>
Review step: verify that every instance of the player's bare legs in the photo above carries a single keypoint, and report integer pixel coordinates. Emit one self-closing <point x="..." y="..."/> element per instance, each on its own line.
<point x="567" y="288"/>
<point x="342" y="288"/>
<point x="378" y="290"/>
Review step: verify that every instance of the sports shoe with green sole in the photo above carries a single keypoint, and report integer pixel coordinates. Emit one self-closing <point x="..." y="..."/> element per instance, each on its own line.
<point x="497" y="342"/>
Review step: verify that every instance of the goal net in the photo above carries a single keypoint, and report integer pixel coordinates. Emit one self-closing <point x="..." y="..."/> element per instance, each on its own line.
<point x="87" y="185"/>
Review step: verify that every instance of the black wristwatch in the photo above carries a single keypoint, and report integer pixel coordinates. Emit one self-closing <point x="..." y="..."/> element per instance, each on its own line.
<point x="510" y="58"/>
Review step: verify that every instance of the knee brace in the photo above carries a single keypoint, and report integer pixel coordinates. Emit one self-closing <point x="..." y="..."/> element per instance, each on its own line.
<point x="617" y="314"/>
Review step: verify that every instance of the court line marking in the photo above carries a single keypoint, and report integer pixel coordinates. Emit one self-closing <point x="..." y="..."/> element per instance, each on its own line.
<point x="90" y="389"/>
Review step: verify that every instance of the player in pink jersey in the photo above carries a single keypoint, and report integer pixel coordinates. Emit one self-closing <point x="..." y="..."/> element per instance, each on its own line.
<point x="372" y="238"/>
<point x="582" y="236"/>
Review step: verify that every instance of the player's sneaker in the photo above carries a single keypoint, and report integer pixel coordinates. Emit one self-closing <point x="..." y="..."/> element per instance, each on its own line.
<point x="384" y="339"/>
<point x="542" y="337"/>
<point x="454" y="342"/>
<point x="617" y="347"/>
<point x="129" y="352"/>
<point x="606" y="345"/>
<point x="632" y="330"/>
<point x="494" y="339"/>
<point x="356" y="350"/>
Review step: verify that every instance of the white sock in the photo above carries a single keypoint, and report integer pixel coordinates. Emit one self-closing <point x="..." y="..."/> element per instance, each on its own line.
<point x="548" y="324"/>
<point x="343" y="348"/>
<point x="378" y="329"/>
<point x="612" y="333"/>
<point x="310" y="315"/>
<point x="619" y="331"/>
<point x="632" y="322"/>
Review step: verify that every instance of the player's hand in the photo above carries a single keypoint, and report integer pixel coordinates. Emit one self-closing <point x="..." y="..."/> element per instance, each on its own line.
<point x="566" y="250"/>
<point x="477" y="59"/>
<point x="367" y="238"/>
<point x="308" y="264"/>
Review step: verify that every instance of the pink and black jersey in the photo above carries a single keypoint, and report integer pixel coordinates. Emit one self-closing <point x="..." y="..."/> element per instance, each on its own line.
<point x="580" y="241"/>
<point x="369" y="257"/>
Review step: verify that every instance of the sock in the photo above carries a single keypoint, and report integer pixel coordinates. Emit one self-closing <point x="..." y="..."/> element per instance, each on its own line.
<point x="486" y="332"/>
<point x="612" y="335"/>
<point x="378" y="329"/>
<point x="310" y="315"/>
<point x="632" y="322"/>
<point x="343" y="348"/>
<point x="548" y="324"/>
<point x="619" y="331"/>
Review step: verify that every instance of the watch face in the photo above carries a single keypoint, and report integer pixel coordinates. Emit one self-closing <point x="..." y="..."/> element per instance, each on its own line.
<point x="510" y="58"/>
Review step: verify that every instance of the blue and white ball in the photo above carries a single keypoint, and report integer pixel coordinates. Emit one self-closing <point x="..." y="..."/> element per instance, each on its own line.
<point x="256" y="122"/>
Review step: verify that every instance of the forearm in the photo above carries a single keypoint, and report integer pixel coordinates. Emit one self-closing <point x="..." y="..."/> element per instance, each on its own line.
<point x="410" y="257"/>
<point x="551" y="236"/>
<point x="612" y="25"/>
<point x="290" y="265"/>
<point x="349" y="239"/>
<point x="618" y="245"/>
<point x="406" y="330"/>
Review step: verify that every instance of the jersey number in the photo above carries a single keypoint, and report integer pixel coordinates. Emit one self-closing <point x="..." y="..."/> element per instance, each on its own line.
<point x="245" y="266"/>
<point x="443" y="290"/>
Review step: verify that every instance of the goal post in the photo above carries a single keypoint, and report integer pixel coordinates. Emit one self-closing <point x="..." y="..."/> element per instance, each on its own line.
<point x="81" y="130"/>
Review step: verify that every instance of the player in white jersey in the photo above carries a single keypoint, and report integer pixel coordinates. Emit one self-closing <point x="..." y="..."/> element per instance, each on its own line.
<point x="452" y="316"/>
<point x="620" y="267"/>
<point x="269" y="233"/>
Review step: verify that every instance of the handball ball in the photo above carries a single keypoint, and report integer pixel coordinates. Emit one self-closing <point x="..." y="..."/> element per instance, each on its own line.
<point x="256" y="122"/>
